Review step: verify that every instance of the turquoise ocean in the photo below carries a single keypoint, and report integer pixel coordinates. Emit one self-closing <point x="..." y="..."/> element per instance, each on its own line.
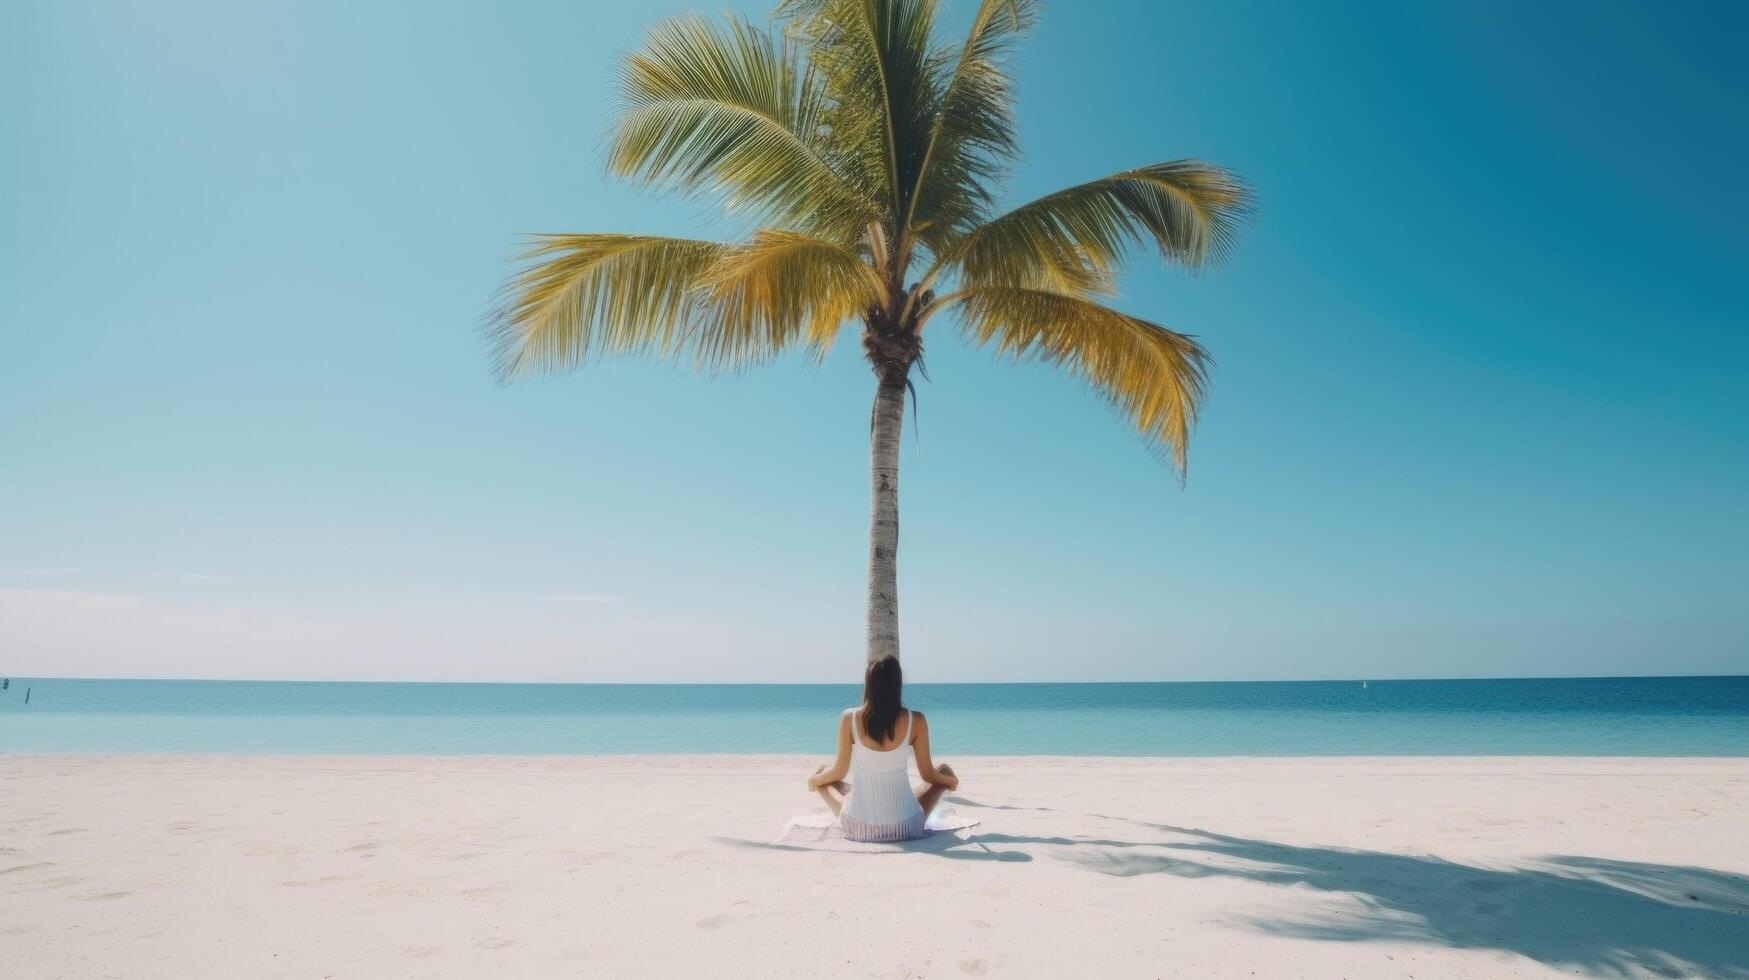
<point x="1641" y="716"/>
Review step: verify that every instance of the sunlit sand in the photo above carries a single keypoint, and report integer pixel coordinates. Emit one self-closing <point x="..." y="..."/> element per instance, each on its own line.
<point x="666" y="865"/>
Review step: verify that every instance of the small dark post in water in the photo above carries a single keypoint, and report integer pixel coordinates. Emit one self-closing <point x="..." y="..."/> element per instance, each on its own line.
<point x="27" y="695"/>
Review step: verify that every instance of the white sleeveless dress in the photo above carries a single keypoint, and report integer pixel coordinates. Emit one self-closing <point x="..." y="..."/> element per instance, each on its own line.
<point x="881" y="805"/>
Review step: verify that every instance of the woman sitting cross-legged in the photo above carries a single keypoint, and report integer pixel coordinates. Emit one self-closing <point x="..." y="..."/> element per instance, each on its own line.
<point x="879" y="803"/>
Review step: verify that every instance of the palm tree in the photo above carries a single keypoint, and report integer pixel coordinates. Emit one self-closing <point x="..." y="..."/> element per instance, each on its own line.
<point x="864" y="154"/>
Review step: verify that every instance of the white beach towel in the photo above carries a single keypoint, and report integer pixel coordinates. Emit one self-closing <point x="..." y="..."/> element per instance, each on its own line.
<point x="818" y="831"/>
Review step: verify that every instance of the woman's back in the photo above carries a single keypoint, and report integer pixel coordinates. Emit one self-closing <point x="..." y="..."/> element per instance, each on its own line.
<point x="897" y="740"/>
<point x="881" y="804"/>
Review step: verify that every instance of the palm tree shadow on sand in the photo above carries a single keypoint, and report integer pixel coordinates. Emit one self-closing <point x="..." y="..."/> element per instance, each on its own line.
<point x="1596" y="915"/>
<point x="1600" y="916"/>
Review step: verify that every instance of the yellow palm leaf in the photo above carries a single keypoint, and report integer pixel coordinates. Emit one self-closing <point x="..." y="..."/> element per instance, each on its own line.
<point x="1153" y="375"/>
<point x="785" y="283"/>
<point x="724" y="306"/>
<point x="1076" y="238"/>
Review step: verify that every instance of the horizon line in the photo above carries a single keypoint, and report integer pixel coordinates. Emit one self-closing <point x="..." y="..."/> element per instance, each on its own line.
<point x="512" y="683"/>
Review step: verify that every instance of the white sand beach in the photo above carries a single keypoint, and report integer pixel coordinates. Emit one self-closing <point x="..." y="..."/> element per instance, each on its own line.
<point x="664" y="866"/>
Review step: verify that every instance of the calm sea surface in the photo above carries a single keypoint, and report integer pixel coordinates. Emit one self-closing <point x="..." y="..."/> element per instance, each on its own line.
<point x="1580" y="716"/>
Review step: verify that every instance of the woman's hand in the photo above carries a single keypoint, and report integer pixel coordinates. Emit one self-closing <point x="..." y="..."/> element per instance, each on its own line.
<point x="952" y="782"/>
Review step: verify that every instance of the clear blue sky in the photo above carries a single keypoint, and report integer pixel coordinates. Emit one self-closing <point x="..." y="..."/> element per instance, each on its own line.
<point x="1480" y="406"/>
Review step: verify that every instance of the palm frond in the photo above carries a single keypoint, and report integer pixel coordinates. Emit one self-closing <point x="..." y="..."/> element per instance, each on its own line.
<point x="883" y="81"/>
<point x="1076" y="238"/>
<point x="586" y="296"/>
<point x="729" y="107"/>
<point x="721" y="305"/>
<point x="1153" y="375"/>
<point x="782" y="286"/>
<point x="971" y="137"/>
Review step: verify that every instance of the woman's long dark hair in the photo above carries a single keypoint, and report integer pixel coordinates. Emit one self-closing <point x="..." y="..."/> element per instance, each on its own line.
<point x="882" y="701"/>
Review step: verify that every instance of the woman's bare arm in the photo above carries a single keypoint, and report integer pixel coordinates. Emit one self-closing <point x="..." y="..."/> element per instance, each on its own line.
<point x="840" y="766"/>
<point x="926" y="765"/>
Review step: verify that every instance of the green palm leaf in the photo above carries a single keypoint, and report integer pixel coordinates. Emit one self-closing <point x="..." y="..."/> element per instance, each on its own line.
<point x="972" y="137"/>
<point x="884" y="81"/>
<point x="729" y="107"/>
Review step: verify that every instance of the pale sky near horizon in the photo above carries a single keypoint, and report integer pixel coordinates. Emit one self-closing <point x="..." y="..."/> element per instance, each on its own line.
<point x="1480" y="406"/>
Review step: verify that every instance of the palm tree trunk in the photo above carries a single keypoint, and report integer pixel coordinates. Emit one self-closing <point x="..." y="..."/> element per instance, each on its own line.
<point x="885" y="427"/>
